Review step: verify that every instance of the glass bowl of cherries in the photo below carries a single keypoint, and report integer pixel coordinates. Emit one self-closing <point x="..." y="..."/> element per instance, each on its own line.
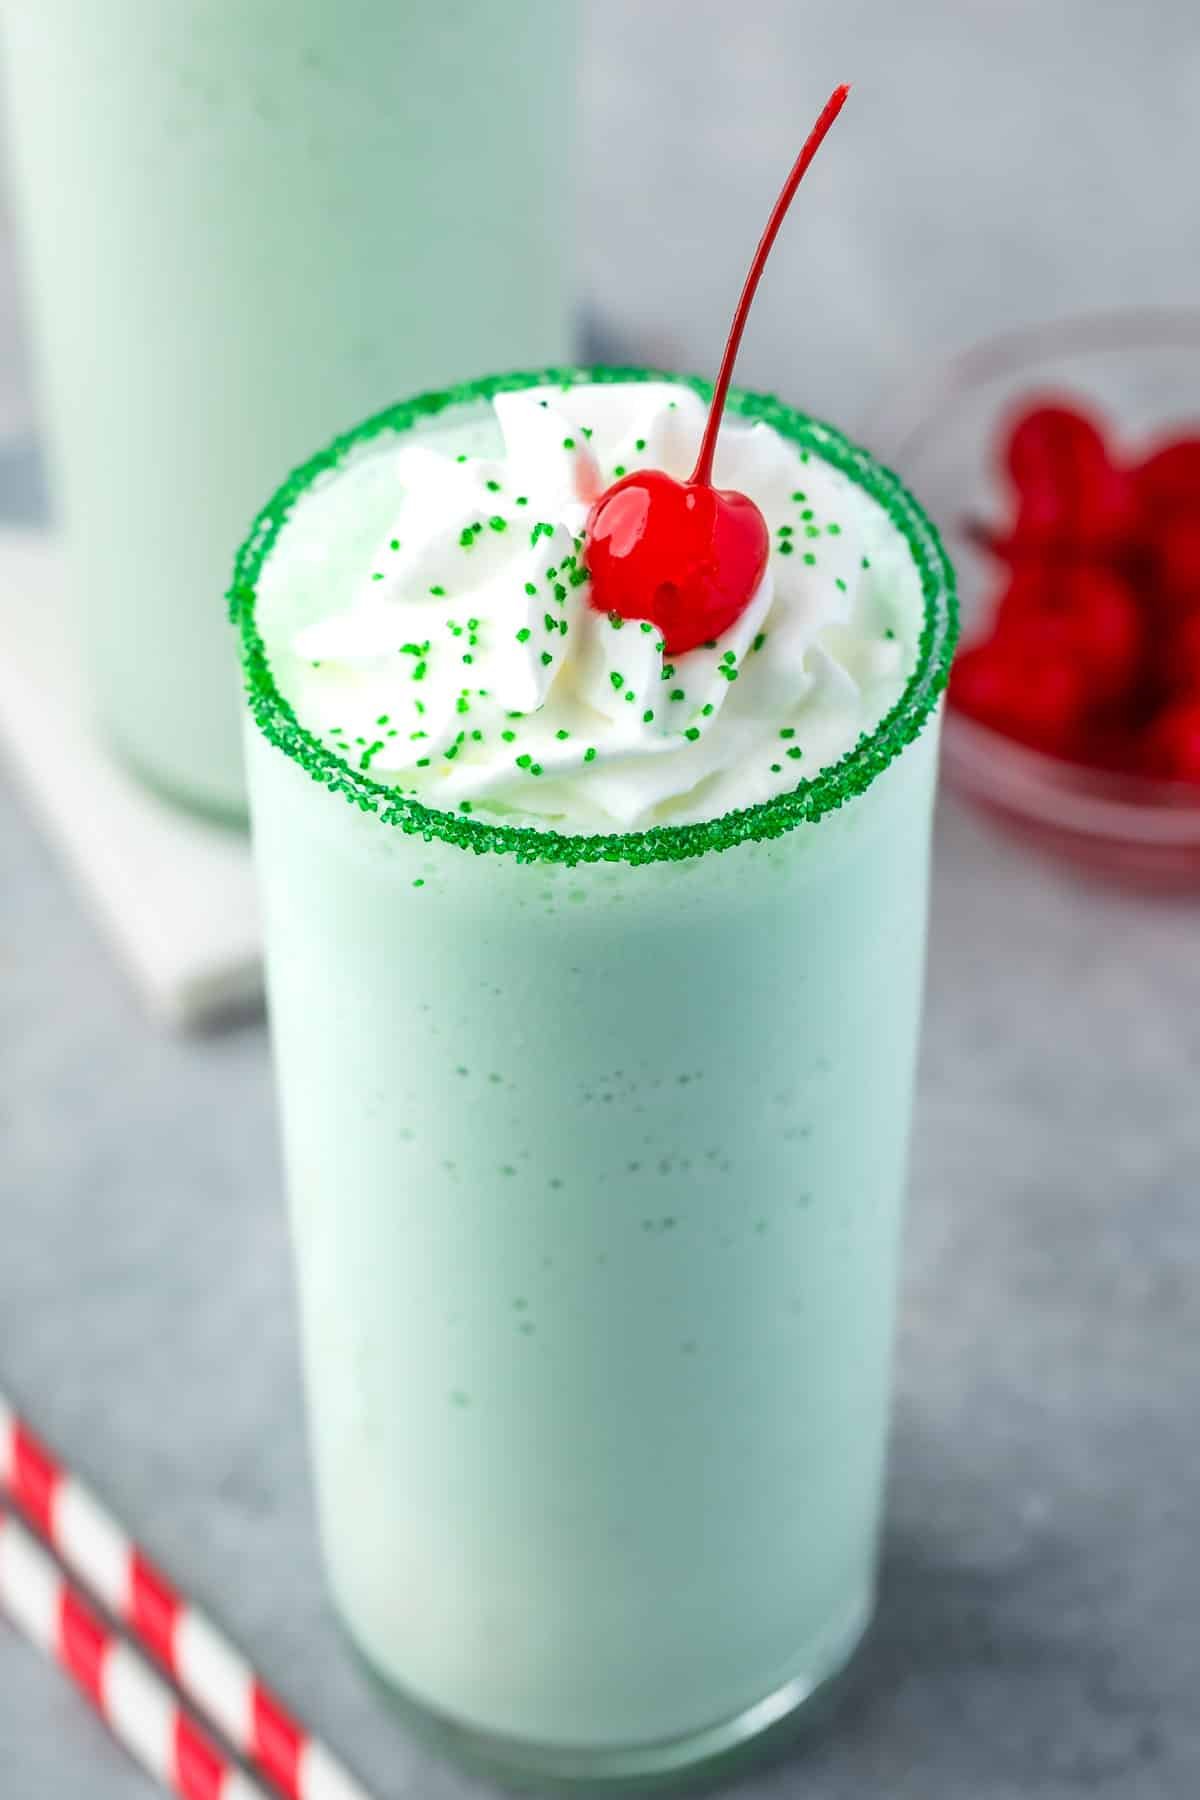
<point x="1063" y="466"/>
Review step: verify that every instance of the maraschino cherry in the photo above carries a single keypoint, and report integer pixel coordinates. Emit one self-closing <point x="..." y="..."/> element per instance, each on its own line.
<point x="684" y="554"/>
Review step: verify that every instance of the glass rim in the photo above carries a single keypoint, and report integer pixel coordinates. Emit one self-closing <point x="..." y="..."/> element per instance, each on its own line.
<point x="807" y="802"/>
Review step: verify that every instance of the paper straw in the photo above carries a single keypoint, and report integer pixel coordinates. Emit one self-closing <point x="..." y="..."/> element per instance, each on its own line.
<point x="136" y="1704"/>
<point x="215" y="1676"/>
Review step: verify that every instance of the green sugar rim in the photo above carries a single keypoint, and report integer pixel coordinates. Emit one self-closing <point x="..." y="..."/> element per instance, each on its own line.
<point x="804" y="804"/>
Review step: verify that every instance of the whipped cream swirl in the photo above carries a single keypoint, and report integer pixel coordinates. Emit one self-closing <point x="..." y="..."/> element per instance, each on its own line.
<point x="467" y="667"/>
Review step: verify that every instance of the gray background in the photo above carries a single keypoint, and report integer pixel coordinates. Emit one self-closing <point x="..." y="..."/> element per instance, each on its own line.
<point x="1040" y="1625"/>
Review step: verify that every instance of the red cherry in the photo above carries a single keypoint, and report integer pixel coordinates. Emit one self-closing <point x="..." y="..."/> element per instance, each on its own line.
<point x="1044" y="434"/>
<point x="1069" y="494"/>
<point x="1169" y="478"/>
<point x="1177" y="561"/>
<point x="1172" y="744"/>
<point x="1179" y="656"/>
<point x="1038" y="699"/>
<point x="1081" y="611"/>
<point x="683" y="554"/>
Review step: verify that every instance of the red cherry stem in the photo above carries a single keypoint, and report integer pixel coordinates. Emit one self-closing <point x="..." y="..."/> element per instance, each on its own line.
<point x="702" y="475"/>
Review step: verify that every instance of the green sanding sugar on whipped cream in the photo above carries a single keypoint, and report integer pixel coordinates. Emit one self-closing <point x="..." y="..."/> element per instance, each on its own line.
<point x="408" y="585"/>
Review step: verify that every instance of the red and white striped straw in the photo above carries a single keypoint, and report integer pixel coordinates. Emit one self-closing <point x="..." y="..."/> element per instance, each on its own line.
<point x="136" y="1704"/>
<point x="214" y="1675"/>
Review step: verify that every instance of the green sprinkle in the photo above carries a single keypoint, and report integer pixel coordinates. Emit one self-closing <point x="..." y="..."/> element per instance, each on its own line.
<point x="450" y="752"/>
<point x="799" y="497"/>
<point x="477" y="737"/>
<point x="550" y="622"/>
<point x="668" y="671"/>
<point x="786" y="547"/>
<point x="889" y="633"/>
<point x="807" y="513"/>
<point x="524" y="635"/>
<point x="510" y="737"/>
<point x="706" y="710"/>
<point x="568" y="443"/>
<point x="464" y="806"/>
<point x="639" y="443"/>
<point x="647" y="718"/>
<point x="522" y="499"/>
<point x="618" y="469"/>
<point x="795" y="752"/>
<point x="811" y="531"/>
<point x="560" y="592"/>
<point x="729" y="657"/>
<point x="839" y="583"/>
<point x="692" y="733"/>
<point x="383" y="719"/>
<point x="587" y="430"/>
<point x="467" y="657"/>
<point x="615" y="620"/>
<point x="678" y="694"/>
<point x="530" y="589"/>
<point x="646" y="625"/>
<point x="547" y="659"/>
<point x="439" y="593"/>
<point x="422" y="762"/>
<point x="834" y="530"/>
<point x="493" y="487"/>
<point x="419" y="672"/>
<point x="589" y="755"/>
<point x="785" y="531"/>
<point x="562" y="736"/>
<point x="466" y="537"/>
<point x="377" y="577"/>
<point x="759" y="641"/>
<point x="541" y="529"/>
<point x="496" y="523"/>
<point x="395" y="543"/>
<point x="809" y="558"/>
<point x="866" y="562"/>
<point x="460" y="459"/>
<point x="524" y="760"/>
<point x="630" y="696"/>
<point x="787" y="731"/>
<point x="777" y="768"/>
<point x="617" y="680"/>
<point x="419" y="882"/>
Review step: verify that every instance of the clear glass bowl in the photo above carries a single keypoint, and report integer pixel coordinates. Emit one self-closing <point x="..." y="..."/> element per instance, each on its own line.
<point x="1141" y="369"/>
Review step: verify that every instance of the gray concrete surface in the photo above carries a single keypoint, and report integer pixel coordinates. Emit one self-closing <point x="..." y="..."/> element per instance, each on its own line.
<point x="1039" y="1633"/>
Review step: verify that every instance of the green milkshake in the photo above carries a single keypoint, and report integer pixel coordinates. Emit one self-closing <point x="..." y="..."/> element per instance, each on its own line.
<point x="245" y="220"/>
<point x="595" y="976"/>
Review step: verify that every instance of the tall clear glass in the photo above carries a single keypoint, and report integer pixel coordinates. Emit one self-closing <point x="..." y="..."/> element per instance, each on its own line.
<point x="596" y="1150"/>
<point x="245" y="221"/>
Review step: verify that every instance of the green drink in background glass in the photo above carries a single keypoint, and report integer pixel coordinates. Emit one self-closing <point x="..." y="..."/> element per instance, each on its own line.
<point x="595" y="980"/>
<point x="244" y="221"/>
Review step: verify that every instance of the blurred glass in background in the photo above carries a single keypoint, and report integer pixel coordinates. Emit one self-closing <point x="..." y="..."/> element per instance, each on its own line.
<point x="247" y="223"/>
